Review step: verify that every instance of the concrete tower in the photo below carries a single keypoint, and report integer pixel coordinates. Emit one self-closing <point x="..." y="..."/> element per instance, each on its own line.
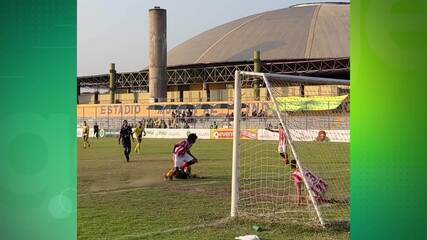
<point x="112" y="81"/>
<point x="157" y="55"/>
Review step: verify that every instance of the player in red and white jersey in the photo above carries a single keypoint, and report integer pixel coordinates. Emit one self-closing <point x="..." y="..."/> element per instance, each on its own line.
<point x="182" y="157"/>
<point x="283" y="142"/>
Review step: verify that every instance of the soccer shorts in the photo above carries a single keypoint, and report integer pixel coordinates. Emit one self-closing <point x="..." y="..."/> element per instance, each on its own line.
<point x="179" y="160"/>
<point x="282" y="148"/>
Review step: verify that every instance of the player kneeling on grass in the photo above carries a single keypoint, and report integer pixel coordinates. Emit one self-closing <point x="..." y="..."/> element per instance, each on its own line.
<point x="182" y="159"/>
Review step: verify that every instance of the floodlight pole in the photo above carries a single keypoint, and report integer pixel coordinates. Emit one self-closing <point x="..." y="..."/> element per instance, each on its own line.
<point x="236" y="146"/>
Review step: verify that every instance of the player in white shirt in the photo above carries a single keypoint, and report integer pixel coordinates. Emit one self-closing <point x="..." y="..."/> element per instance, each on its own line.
<point x="283" y="143"/>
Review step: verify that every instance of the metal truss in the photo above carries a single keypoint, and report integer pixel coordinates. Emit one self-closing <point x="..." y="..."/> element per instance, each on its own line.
<point x="218" y="73"/>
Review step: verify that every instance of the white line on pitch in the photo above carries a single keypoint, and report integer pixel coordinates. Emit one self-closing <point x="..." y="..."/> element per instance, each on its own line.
<point x="186" y="228"/>
<point x="142" y="188"/>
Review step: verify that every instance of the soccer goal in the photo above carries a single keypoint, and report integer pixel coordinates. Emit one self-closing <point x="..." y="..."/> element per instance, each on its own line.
<point x="296" y="164"/>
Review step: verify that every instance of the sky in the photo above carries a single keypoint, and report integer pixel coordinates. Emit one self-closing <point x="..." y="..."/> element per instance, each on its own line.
<point x="116" y="31"/>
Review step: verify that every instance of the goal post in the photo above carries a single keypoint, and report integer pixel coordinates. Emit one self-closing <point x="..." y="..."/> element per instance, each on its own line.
<point x="267" y="188"/>
<point x="236" y="146"/>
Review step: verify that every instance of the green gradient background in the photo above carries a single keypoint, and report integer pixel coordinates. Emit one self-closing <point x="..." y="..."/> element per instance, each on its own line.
<point x="38" y="120"/>
<point x="388" y="119"/>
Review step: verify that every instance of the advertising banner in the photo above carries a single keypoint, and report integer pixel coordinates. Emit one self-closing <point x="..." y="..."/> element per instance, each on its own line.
<point x="306" y="135"/>
<point x="175" y="133"/>
<point x="227" y="133"/>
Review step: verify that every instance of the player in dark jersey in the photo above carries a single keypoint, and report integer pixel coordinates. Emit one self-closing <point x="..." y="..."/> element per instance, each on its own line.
<point x="96" y="130"/>
<point x="125" y="139"/>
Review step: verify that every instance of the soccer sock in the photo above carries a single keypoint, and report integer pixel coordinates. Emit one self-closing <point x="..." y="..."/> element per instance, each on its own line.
<point x="285" y="157"/>
<point x="185" y="165"/>
<point x="170" y="173"/>
<point x="127" y="154"/>
<point x="188" y="164"/>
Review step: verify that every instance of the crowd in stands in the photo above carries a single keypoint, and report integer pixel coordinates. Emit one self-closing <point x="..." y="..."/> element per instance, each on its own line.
<point x="177" y="119"/>
<point x="182" y="119"/>
<point x="186" y="119"/>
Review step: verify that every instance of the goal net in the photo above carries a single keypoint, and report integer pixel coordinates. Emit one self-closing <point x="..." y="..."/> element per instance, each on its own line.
<point x="294" y="166"/>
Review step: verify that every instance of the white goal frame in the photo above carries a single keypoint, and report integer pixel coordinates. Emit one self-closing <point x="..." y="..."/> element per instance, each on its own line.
<point x="236" y="130"/>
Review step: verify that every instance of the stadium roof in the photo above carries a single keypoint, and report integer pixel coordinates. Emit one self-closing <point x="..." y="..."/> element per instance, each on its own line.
<point x="307" y="31"/>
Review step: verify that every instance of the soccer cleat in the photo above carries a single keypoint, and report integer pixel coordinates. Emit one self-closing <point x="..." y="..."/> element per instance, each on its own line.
<point x="169" y="175"/>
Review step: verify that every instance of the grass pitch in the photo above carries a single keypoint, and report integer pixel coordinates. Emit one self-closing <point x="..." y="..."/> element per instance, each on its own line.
<point x="119" y="200"/>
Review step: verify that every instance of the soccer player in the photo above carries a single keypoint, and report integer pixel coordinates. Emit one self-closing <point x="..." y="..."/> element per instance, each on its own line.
<point x="182" y="157"/>
<point x="297" y="178"/>
<point x="125" y="138"/>
<point x="283" y="142"/>
<point x="96" y="130"/>
<point x="139" y="131"/>
<point x="85" y="135"/>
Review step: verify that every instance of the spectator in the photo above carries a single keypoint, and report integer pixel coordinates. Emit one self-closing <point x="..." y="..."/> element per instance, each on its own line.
<point x="182" y="118"/>
<point x="157" y="123"/>
<point x="254" y="113"/>
<point x="163" y="124"/>
<point x="174" y="123"/>
<point x="214" y="126"/>
<point x="186" y="126"/>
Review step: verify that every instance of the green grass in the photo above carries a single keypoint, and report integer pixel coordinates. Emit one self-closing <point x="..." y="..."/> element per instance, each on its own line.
<point x="118" y="200"/>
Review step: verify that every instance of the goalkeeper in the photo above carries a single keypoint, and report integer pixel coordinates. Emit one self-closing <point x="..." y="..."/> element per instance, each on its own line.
<point x="182" y="159"/>
<point x="283" y="142"/>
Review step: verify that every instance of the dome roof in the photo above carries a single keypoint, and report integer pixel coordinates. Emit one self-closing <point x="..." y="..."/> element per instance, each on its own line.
<point x="308" y="31"/>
